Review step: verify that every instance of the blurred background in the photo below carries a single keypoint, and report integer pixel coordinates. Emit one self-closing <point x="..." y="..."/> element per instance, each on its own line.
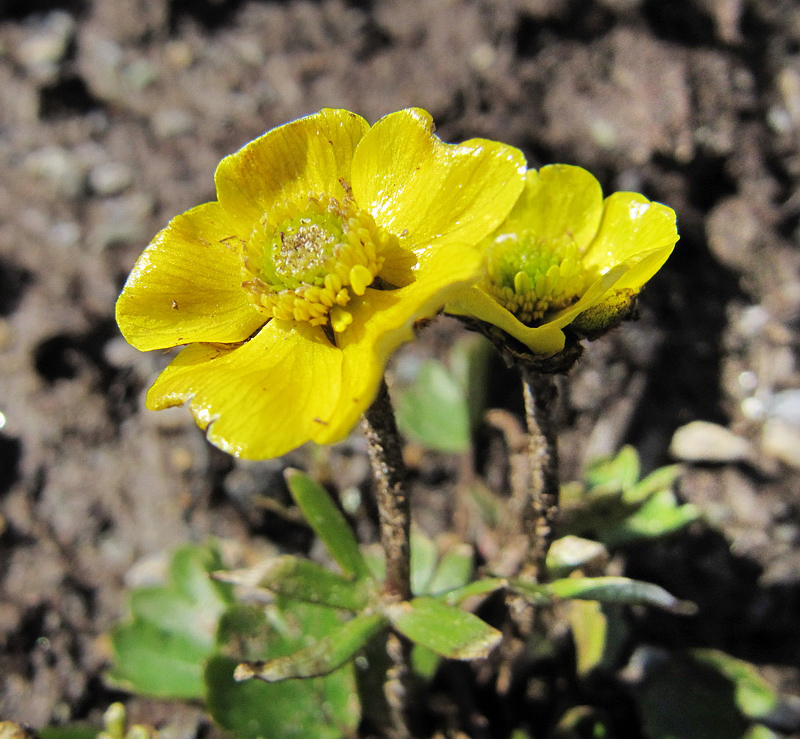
<point x="113" y="116"/>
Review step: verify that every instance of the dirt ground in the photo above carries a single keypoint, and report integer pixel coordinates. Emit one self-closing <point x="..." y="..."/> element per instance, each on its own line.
<point x="113" y="116"/>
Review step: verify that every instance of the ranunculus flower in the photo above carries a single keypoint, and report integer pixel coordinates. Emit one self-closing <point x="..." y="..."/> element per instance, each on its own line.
<point x="328" y="240"/>
<point x="565" y="256"/>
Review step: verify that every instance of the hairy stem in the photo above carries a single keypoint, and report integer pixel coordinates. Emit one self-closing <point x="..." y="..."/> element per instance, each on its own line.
<point x="541" y="395"/>
<point x="388" y="468"/>
<point x="394" y="512"/>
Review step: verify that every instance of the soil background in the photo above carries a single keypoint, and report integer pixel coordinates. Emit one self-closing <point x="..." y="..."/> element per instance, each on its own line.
<point x="113" y="116"/>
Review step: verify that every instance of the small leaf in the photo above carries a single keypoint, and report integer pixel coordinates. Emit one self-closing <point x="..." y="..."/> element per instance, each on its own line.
<point x="434" y="410"/>
<point x="300" y="579"/>
<point x="618" y="473"/>
<point x="469" y="363"/>
<point x="473" y="589"/>
<point x="606" y="590"/>
<point x="424" y="661"/>
<point x="446" y="630"/>
<point x="683" y="699"/>
<point x="755" y="697"/>
<point x="453" y="571"/>
<point x="423" y="560"/>
<point x="660" y="515"/>
<point x="589" y="626"/>
<point x="322" y="657"/>
<point x="662" y="478"/>
<point x="328" y="522"/>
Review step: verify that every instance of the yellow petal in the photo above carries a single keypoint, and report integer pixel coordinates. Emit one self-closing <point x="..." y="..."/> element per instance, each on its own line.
<point x="310" y="154"/>
<point x="560" y="203"/>
<point x="259" y="399"/>
<point x="475" y="303"/>
<point x="631" y="225"/>
<point x="384" y="319"/>
<point x="187" y="285"/>
<point x="416" y="185"/>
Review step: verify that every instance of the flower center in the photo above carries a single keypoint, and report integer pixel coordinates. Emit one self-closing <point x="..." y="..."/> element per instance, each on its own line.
<point x="532" y="278"/>
<point x="308" y="258"/>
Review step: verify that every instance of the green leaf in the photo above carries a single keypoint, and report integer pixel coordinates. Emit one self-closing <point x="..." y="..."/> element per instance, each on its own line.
<point x="473" y="589"/>
<point x="68" y="732"/>
<point x="618" y="473"/>
<point x="326" y="708"/>
<point x="599" y="633"/>
<point x="660" y="515"/>
<point x="173" y="628"/>
<point x="328" y="522"/>
<point x="469" y="363"/>
<point x="683" y="699"/>
<point x="446" y="630"/>
<point x="301" y="579"/>
<point x="754" y="696"/>
<point x="662" y="478"/>
<point x="154" y="662"/>
<point x="424" y="661"/>
<point x="589" y="628"/>
<point x="320" y="658"/>
<point x="454" y="570"/>
<point x="434" y="410"/>
<point x="423" y="560"/>
<point x="604" y="589"/>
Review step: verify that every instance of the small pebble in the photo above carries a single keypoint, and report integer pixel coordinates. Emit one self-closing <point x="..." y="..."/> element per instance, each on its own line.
<point x="171" y="122"/>
<point x="785" y="406"/>
<point x="702" y="441"/>
<point x="42" y="51"/>
<point x="110" y="178"/>
<point x="781" y="441"/>
<point x="123" y="220"/>
<point x="59" y="167"/>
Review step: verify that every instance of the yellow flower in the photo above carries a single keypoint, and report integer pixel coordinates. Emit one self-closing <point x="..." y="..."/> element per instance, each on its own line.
<point x="328" y="240"/>
<point x="567" y="257"/>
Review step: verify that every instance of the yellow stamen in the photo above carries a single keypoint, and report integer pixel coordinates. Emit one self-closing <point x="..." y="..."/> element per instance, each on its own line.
<point x="310" y="257"/>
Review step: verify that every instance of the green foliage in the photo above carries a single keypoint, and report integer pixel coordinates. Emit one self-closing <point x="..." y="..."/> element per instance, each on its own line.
<point x="325" y="706"/>
<point x="327" y="521"/>
<point x="441" y="406"/>
<point x="616" y="508"/>
<point x="446" y="630"/>
<point x="703" y="694"/>
<point x="172" y="631"/>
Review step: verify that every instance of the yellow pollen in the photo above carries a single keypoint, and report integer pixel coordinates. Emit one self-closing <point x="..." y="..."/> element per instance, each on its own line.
<point x="309" y="258"/>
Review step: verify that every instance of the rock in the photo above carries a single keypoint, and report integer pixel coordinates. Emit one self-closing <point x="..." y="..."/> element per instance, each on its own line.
<point x="123" y="220"/>
<point x="781" y="441"/>
<point x="48" y="43"/>
<point x="171" y="122"/>
<point x="702" y="441"/>
<point x="110" y="178"/>
<point x="59" y="167"/>
<point x="785" y="406"/>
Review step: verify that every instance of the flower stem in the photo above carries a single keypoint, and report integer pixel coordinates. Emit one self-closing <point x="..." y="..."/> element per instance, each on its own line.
<point x="541" y="395"/>
<point x="394" y="510"/>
